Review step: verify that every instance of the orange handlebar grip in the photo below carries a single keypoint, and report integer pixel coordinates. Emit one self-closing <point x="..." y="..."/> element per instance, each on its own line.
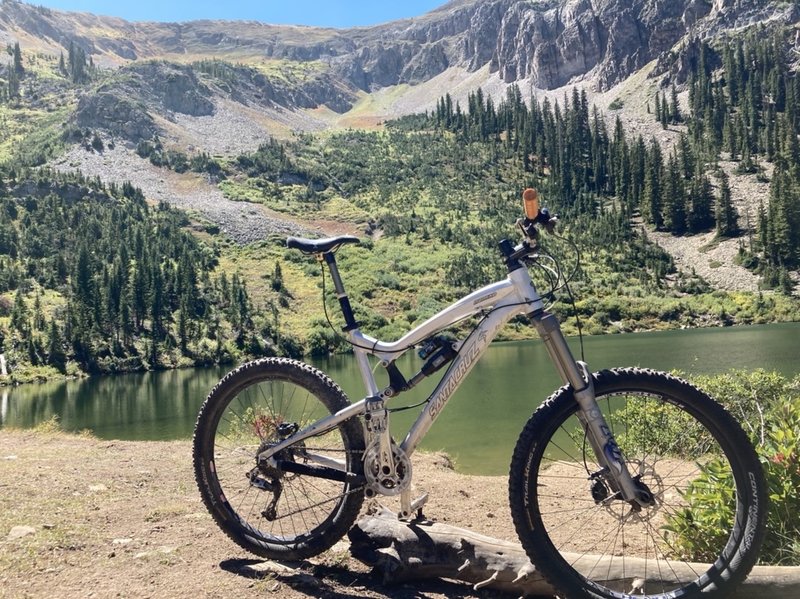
<point x="531" y="201"/>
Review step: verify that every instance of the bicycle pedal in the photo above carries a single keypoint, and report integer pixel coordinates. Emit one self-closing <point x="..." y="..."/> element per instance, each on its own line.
<point x="419" y="502"/>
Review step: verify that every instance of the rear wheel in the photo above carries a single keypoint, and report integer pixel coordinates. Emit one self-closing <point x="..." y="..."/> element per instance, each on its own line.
<point x="275" y="513"/>
<point x="703" y="529"/>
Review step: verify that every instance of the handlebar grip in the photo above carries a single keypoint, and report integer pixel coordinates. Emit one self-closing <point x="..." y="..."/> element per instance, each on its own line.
<point x="530" y="200"/>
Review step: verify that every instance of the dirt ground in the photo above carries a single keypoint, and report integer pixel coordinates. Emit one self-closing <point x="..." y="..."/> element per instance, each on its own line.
<point x="124" y="519"/>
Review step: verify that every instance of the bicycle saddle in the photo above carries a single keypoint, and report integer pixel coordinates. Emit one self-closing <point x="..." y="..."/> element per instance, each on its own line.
<point x="320" y="246"/>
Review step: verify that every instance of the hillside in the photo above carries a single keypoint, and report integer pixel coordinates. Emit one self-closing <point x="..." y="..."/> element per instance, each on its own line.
<point x="633" y="121"/>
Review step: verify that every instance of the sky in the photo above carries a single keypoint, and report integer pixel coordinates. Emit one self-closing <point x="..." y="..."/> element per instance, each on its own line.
<point x="325" y="13"/>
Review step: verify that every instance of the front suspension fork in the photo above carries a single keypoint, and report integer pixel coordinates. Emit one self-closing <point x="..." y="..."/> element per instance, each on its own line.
<point x="577" y="375"/>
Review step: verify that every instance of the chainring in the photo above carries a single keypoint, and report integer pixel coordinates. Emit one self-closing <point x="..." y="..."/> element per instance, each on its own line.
<point x="383" y="483"/>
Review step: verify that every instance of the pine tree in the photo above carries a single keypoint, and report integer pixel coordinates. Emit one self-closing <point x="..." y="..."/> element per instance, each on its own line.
<point x="674" y="109"/>
<point x="38" y="315"/>
<point x="76" y="63"/>
<point x="17" y="52"/>
<point x="673" y="198"/>
<point x="277" y="277"/>
<point x="12" y="86"/>
<point x="725" y="213"/>
<point x="183" y="327"/>
<point x="56" y="356"/>
<point x="658" y="107"/>
<point x="19" y="313"/>
<point x="699" y="212"/>
<point x="651" y="195"/>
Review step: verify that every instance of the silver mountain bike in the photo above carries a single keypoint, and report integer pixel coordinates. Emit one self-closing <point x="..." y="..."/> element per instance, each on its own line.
<point x="624" y="482"/>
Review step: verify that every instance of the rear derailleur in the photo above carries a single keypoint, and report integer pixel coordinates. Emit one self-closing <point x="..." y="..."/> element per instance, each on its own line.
<point x="268" y="478"/>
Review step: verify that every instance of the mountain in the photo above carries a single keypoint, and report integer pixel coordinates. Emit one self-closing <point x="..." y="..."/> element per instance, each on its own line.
<point x="544" y="45"/>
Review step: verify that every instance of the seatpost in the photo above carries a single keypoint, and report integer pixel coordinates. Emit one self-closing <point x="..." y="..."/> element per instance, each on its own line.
<point x="344" y="301"/>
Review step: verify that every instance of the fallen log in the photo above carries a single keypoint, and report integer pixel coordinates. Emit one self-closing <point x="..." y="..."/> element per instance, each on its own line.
<point x="406" y="551"/>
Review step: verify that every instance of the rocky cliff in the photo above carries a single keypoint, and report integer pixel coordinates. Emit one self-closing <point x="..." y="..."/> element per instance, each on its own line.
<point x="158" y="73"/>
<point x="548" y="42"/>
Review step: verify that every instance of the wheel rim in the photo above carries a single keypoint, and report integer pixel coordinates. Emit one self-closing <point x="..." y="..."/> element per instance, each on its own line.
<point x="257" y="416"/>
<point x="618" y="550"/>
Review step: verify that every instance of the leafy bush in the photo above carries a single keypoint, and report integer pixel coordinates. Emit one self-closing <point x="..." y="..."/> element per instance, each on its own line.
<point x="769" y="407"/>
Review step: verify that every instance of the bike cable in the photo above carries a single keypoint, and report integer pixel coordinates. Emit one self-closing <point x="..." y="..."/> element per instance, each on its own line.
<point x="565" y="285"/>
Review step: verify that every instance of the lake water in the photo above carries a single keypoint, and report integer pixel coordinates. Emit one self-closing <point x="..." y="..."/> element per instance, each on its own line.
<point x="480" y="424"/>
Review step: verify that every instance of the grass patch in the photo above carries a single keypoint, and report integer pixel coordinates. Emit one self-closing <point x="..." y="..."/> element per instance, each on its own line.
<point x="710" y="245"/>
<point x="338" y="208"/>
<point x="49" y="427"/>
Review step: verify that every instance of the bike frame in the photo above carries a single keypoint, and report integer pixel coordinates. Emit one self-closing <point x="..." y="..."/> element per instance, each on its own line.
<point x="499" y="302"/>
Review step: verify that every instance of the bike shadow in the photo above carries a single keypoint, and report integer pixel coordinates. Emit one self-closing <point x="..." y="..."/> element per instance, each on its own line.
<point x="342" y="582"/>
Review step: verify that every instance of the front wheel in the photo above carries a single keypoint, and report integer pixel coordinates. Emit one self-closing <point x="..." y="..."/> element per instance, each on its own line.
<point x="269" y="511"/>
<point x="700" y="534"/>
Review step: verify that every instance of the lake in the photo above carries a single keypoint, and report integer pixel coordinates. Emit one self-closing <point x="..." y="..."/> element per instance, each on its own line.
<point x="478" y="427"/>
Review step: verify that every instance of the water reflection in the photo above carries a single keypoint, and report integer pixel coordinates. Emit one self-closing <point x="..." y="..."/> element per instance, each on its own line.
<point x="153" y="405"/>
<point x="3" y="406"/>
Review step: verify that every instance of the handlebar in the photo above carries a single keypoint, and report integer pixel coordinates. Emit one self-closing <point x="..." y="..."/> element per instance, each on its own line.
<point x="533" y="215"/>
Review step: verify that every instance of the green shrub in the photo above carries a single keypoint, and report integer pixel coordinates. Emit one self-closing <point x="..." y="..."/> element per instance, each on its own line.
<point x="768" y="405"/>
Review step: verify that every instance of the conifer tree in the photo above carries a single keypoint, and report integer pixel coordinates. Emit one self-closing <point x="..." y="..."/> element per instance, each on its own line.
<point x="674" y="110"/>
<point x="725" y="213"/>
<point x="699" y="211"/>
<point x="673" y="200"/>
<point x="56" y="356"/>
<point x="658" y="107"/>
<point x="651" y="196"/>
<point x="19" y="69"/>
<point x="13" y="85"/>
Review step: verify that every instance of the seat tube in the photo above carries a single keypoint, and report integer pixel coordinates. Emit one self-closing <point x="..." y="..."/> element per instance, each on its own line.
<point x="350" y="323"/>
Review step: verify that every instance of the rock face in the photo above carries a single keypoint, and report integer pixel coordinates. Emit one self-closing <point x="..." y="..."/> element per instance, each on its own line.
<point x="122" y="106"/>
<point x="128" y="103"/>
<point x="548" y="42"/>
<point x="117" y="114"/>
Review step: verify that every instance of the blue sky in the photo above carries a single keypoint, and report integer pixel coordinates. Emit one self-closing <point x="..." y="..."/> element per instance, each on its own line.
<point x="328" y="13"/>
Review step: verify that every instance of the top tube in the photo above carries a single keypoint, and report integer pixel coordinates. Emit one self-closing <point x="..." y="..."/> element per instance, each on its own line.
<point x="495" y="294"/>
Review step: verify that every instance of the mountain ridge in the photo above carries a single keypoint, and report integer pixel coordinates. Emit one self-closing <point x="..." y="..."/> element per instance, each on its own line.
<point x="549" y="43"/>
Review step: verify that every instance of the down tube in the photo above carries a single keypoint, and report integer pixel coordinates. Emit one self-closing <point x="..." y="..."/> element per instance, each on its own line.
<point x="469" y="354"/>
